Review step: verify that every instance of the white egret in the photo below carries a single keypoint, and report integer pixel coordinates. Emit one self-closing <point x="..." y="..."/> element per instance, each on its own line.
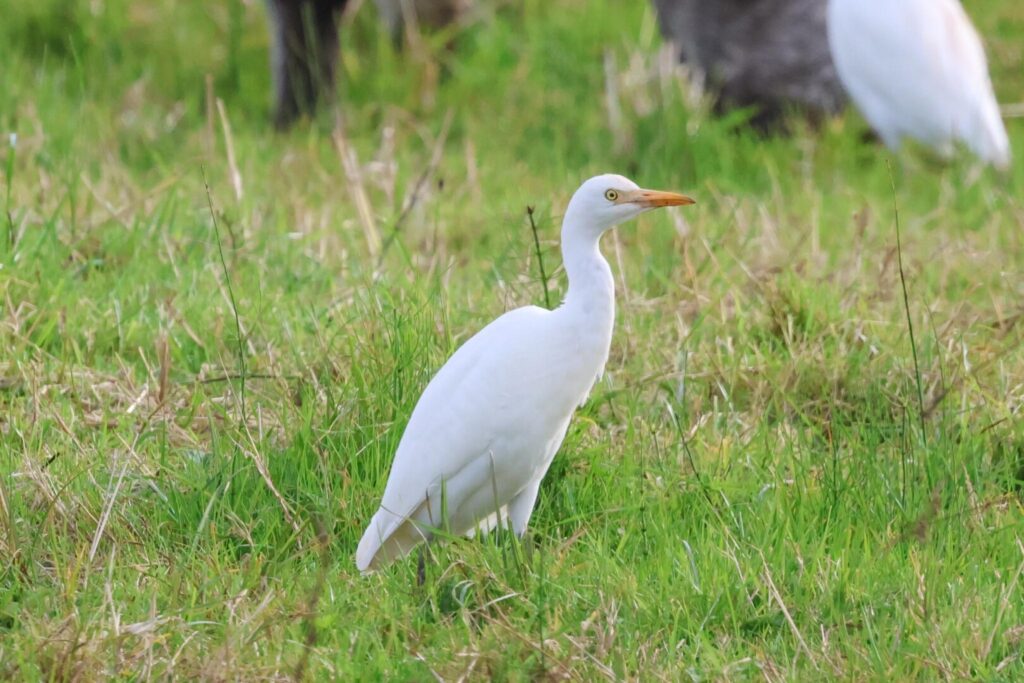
<point x="487" y="426"/>
<point x="917" y="69"/>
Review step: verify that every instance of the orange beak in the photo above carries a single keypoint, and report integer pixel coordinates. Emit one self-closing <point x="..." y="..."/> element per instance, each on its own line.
<point x="654" y="199"/>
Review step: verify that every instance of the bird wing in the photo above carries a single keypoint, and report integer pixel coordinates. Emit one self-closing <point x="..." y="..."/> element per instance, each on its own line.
<point x="477" y="404"/>
<point x="917" y="68"/>
<point x="884" y="63"/>
<point x="976" y="118"/>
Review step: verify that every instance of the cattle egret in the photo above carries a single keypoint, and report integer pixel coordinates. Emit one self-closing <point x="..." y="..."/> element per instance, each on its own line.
<point x="489" y="423"/>
<point x="917" y="69"/>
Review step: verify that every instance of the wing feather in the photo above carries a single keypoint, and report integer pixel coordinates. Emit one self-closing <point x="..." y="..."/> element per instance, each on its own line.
<point x="917" y="69"/>
<point x="441" y="455"/>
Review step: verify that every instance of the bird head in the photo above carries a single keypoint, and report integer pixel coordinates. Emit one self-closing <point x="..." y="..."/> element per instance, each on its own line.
<point x="604" y="201"/>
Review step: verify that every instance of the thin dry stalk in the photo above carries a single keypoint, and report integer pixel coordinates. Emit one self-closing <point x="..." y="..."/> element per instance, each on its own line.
<point x="107" y="509"/>
<point x="785" y="612"/>
<point x="230" y="292"/>
<point x="1004" y="602"/>
<point x="10" y="540"/>
<point x="229" y="145"/>
<point x="540" y="257"/>
<point x="210" y="116"/>
<point x="163" y="351"/>
<point x="910" y="322"/>
<point x="412" y="199"/>
<point x="252" y="452"/>
<point x="350" y="164"/>
<point x="612" y="105"/>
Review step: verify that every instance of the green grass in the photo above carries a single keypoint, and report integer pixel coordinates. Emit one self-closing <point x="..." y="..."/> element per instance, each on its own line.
<point x="748" y="494"/>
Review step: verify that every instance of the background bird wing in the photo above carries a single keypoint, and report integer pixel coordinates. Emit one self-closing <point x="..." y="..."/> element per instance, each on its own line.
<point x="924" y="58"/>
<point x="977" y="117"/>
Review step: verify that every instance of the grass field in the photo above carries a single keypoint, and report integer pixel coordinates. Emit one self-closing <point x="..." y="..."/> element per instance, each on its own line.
<point x="775" y="480"/>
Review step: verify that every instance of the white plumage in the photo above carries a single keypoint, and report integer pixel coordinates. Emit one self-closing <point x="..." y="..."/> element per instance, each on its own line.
<point x="917" y="69"/>
<point x="486" y="428"/>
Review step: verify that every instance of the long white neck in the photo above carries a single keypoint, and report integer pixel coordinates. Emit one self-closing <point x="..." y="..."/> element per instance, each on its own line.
<point x="591" y="295"/>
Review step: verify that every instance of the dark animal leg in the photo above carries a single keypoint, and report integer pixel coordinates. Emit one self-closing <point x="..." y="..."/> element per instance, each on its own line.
<point x="304" y="54"/>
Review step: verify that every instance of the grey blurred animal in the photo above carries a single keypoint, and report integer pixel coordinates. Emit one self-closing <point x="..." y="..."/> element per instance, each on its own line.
<point x="771" y="55"/>
<point x="305" y="43"/>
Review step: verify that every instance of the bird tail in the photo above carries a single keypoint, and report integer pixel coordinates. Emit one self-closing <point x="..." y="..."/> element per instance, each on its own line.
<point x="369" y="544"/>
<point x="387" y="538"/>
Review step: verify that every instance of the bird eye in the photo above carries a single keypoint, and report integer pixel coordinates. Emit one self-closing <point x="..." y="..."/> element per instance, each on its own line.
<point x="611" y="195"/>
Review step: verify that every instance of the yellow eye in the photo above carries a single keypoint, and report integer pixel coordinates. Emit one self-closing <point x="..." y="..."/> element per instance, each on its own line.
<point x="611" y="195"/>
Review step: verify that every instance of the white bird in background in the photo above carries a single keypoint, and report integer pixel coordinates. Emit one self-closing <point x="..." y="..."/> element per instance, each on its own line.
<point x="486" y="428"/>
<point x="917" y="69"/>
